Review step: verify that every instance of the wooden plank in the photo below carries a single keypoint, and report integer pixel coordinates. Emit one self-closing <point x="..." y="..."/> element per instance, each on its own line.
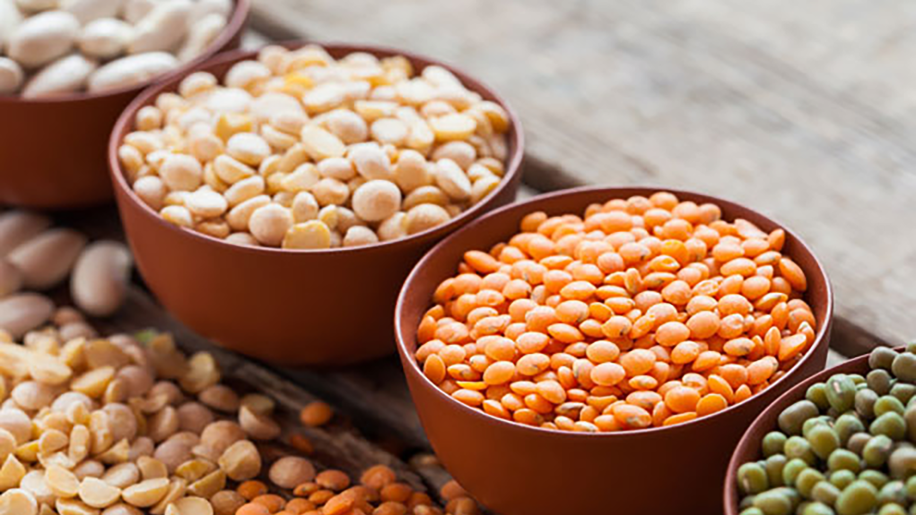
<point x="783" y="105"/>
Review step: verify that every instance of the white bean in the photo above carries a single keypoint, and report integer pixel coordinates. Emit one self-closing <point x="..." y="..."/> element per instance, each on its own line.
<point x="131" y="70"/>
<point x="43" y="38"/>
<point x="47" y="259"/>
<point x="105" y="38"/>
<point x="66" y="75"/>
<point x="17" y="227"/>
<point x="162" y="28"/>
<point x="23" y="312"/>
<point x="11" y="75"/>
<point x="203" y="8"/>
<point x="134" y="10"/>
<point x="98" y="284"/>
<point x="37" y="5"/>
<point x="89" y="10"/>
<point x="10" y="278"/>
<point x="203" y="32"/>
<point x="10" y="18"/>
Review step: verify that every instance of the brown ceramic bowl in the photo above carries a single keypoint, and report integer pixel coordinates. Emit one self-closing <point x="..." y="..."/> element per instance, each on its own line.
<point x="293" y="307"/>
<point x="54" y="148"/>
<point x="749" y="447"/>
<point x="520" y="470"/>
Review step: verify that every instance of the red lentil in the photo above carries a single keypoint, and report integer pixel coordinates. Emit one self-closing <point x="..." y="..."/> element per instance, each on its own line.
<point x="646" y="312"/>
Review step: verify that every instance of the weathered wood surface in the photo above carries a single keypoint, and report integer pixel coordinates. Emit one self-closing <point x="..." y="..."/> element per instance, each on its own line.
<point x="802" y="110"/>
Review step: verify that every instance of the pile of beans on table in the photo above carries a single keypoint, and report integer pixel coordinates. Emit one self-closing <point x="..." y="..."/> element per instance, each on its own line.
<point x="303" y="151"/>
<point x="646" y="312"/>
<point x="846" y="449"/>
<point x="127" y="425"/>
<point x="36" y="256"/>
<point x="50" y="47"/>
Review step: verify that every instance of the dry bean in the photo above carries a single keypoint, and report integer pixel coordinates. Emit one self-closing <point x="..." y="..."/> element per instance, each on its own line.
<point x="47" y="259"/>
<point x="43" y="38"/>
<point x="291" y="471"/>
<point x="364" y="145"/>
<point x="99" y="280"/>
<point x="241" y="461"/>
<point x="656" y="320"/>
<point x="131" y="71"/>
<point x="23" y="312"/>
<point x="65" y="75"/>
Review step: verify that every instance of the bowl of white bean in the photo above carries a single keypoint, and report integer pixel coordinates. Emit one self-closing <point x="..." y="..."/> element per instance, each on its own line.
<point x="68" y="68"/>
<point x="276" y="200"/>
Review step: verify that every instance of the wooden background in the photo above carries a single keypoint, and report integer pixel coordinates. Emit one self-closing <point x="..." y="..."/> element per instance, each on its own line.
<point x="801" y="109"/>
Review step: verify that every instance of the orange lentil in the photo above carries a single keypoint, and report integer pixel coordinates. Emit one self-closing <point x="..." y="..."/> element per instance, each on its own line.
<point x="680" y="418"/>
<point x="301" y="443"/>
<point x="630" y="416"/>
<point x="608" y="374"/>
<point x="316" y="414"/>
<point x="251" y="489"/>
<point x="333" y="480"/>
<point x="644" y="312"/>
<point x="253" y="509"/>
<point x="637" y="361"/>
<point x="670" y="334"/>
<point x="272" y="502"/>
<point x="298" y="506"/>
<point x="337" y="505"/>
<point x="377" y="477"/>
<point x="452" y="490"/>
<point x="396" y="492"/>
<point x="682" y="399"/>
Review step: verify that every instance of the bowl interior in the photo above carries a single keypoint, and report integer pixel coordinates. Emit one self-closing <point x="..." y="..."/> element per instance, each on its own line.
<point x="442" y="261"/>
<point x="222" y="63"/>
<point x="234" y="25"/>
<point x="749" y="447"/>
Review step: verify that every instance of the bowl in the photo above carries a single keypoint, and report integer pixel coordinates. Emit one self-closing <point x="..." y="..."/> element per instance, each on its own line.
<point x="521" y="470"/>
<point x="748" y="448"/>
<point x="295" y="307"/>
<point x="54" y="148"/>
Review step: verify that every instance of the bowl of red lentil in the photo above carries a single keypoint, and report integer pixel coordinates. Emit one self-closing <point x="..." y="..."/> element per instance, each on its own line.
<point x="608" y="346"/>
<point x="281" y="298"/>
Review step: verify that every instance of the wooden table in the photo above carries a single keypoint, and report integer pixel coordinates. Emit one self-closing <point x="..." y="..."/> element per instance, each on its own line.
<point x="800" y="109"/>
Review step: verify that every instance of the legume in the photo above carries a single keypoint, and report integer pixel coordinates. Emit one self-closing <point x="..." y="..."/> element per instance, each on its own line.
<point x="863" y="460"/>
<point x="54" y="48"/>
<point x="303" y="151"/>
<point x="646" y="312"/>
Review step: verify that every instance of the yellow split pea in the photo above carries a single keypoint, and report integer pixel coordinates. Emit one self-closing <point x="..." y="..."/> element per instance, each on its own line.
<point x="299" y="150"/>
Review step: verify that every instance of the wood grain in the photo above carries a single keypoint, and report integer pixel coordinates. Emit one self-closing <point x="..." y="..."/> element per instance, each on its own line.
<point x="801" y="110"/>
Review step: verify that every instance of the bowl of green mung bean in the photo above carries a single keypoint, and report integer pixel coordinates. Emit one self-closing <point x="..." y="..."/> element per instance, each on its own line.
<point x="841" y="442"/>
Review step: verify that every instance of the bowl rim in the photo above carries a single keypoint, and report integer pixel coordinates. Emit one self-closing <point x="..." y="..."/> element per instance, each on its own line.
<point x="731" y="497"/>
<point x="413" y="368"/>
<point x="513" y="164"/>
<point x="234" y="26"/>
